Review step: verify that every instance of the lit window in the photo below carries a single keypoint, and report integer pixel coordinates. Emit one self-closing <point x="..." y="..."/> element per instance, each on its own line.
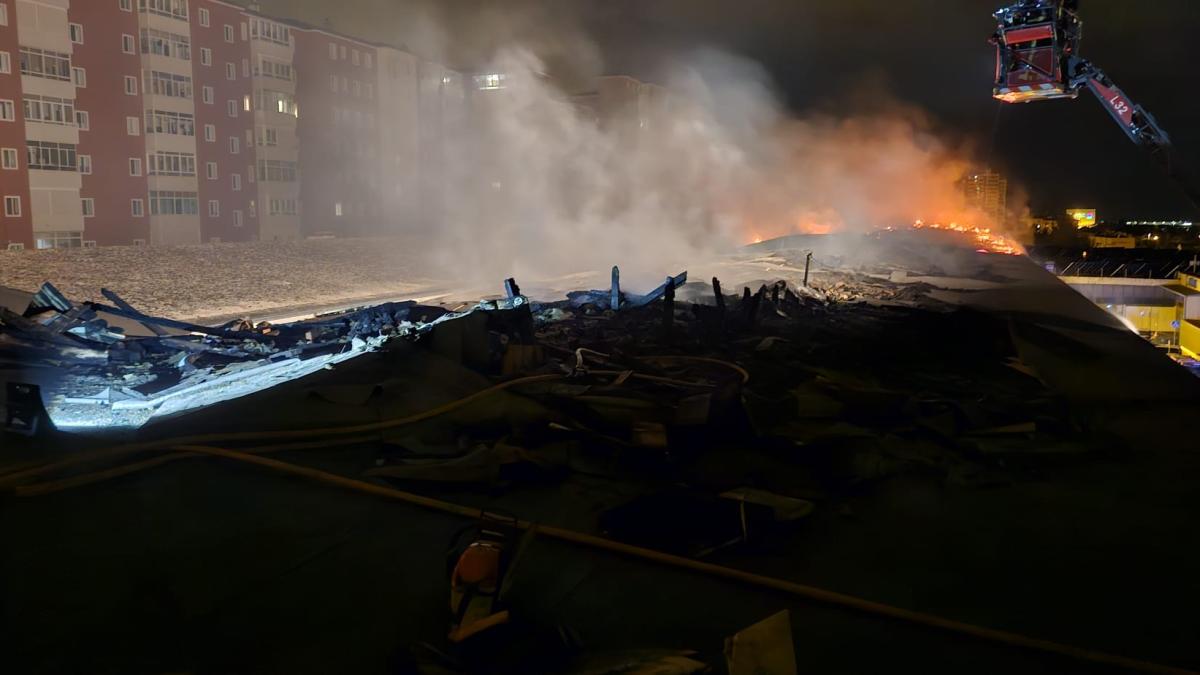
<point x="8" y="158"/>
<point x="89" y="207"/>
<point x="76" y="32"/>
<point x="12" y="206"/>
<point x="337" y="209"/>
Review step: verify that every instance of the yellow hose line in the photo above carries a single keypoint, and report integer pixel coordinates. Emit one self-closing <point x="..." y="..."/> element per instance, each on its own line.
<point x="700" y="359"/>
<point x="787" y="587"/>
<point x="18" y="477"/>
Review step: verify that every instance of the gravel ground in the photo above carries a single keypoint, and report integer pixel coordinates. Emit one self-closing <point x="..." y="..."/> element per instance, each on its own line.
<point x="221" y="279"/>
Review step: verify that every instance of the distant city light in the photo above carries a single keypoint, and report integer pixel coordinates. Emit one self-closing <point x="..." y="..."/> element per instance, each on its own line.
<point x="1160" y="223"/>
<point x="490" y="81"/>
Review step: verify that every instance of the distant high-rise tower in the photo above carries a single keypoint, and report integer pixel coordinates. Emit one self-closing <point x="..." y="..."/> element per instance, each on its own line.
<point x="987" y="191"/>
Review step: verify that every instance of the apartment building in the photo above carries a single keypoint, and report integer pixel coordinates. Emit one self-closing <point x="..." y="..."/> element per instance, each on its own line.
<point x="164" y="122"/>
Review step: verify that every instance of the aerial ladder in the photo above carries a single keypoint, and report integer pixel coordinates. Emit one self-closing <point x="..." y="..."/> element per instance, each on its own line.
<point x="1037" y="59"/>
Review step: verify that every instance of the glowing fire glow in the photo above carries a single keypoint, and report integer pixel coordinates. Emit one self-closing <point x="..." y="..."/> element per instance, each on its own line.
<point x="985" y="239"/>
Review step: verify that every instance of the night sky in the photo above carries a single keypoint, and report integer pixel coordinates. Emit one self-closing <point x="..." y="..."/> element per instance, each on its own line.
<point x="931" y="53"/>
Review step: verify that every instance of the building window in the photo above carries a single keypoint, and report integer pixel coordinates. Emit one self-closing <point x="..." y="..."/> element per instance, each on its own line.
<point x="203" y="14"/>
<point x="206" y="94"/>
<point x="82" y="120"/>
<point x="253" y="209"/>
<point x="133" y="126"/>
<point x="357" y="89"/>
<point x="170" y="45"/>
<point x="79" y="77"/>
<point x="274" y="69"/>
<point x="345" y="85"/>
<point x="173" y="123"/>
<point x="237" y="218"/>
<point x="137" y="210"/>
<point x="127" y="44"/>
<point x="246" y="103"/>
<point x="333" y="83"/>
<point x="168" y="84"/>
<point x="235" y="145"/>
<point x="342" y="52"/>
<point x="3" y="14"/>
<point x="50" y="110"/>
<point x="356" y="57"/>
<point x="281" y="207"/>
<point x="228" y="33"/>
<point x="172" y="164"/>
<point x="232" y="108"/>
<point x="76" y="32"/>
<point x="168" y="203"/>
<point x="8" y="158"/>
<point x="236" y="180"/>
<point x="332" y="51"/>
<point x="337" y="209"/>
<point x="12" y="206"/>
<point x="210" y="170"/>
<point x="126" y="5"/>
<point x="270" y="31"/>
<point x="210" y="133"/>
<point x="214" y="208"/>
<point x="130" y="85"/>
<point x="276" y="171"/>
<point x="8" y="111"/>
<point x="5" y="63"/>
<point x="85" y="165"/>
<point x="205" y="56"/>
<point x="135" y="166"/>
<point x="89" y="207"/>
<point x="367" y="60"/>
<point x="245" y="67"/>
<point x="61" y="239"/>
<point x="51" y="156"/>
<point x="173" y="8"/>
<point x="277" y="101"/>
<point x="230" y="71"/>
<point x="267" y="137"/>
<point x="47" y="64"/>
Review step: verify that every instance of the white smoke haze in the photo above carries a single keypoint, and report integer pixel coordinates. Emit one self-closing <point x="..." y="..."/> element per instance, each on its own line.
<point x="539" y="187"/>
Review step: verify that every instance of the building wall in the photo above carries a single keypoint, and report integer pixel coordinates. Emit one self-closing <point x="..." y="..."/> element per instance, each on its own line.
<point x="1189" y="338"/>
<point x="227" y="199"/>
<point x="280" y="206"/>
<point x="107" y="142"/>
<point x="14" y="230"/>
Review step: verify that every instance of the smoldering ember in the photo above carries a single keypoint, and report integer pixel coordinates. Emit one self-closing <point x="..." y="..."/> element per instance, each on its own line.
<point x="577" y="337"/>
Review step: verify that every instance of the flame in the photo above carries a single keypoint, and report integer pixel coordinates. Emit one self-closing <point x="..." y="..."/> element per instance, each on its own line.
<point x="985" y="240"/>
